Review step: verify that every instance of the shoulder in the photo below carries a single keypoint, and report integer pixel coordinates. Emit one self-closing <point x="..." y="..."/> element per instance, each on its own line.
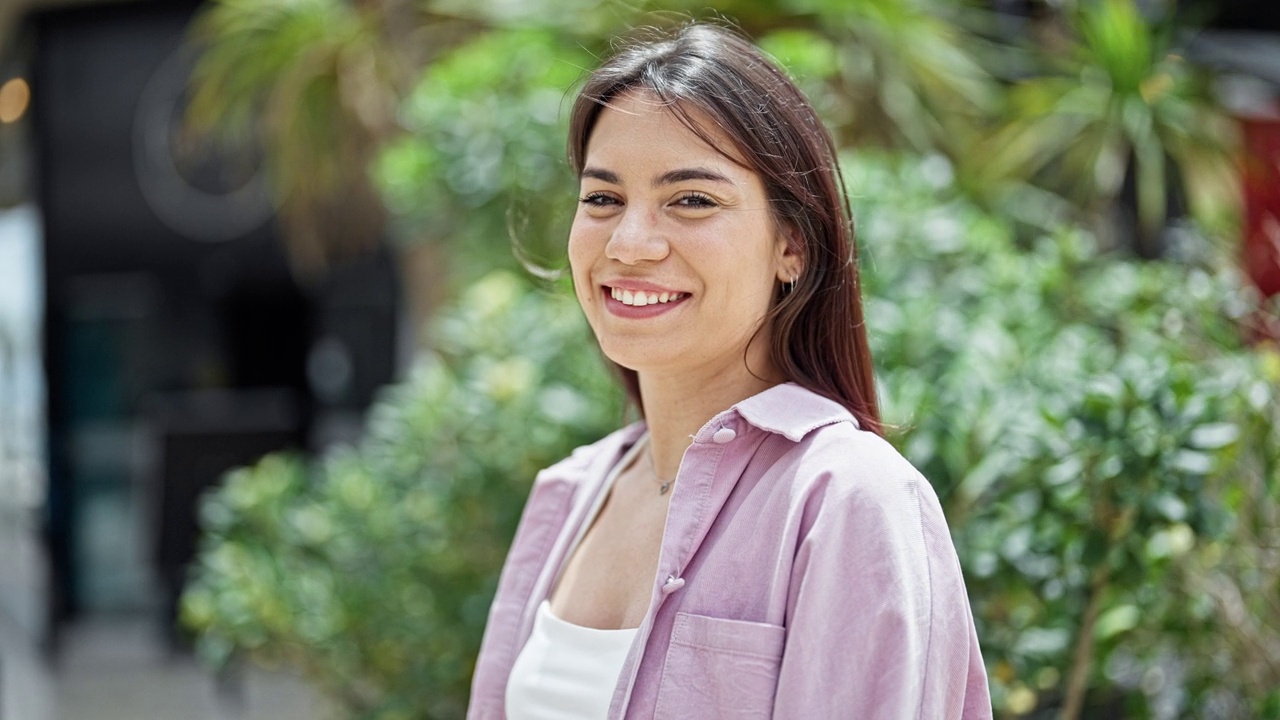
<point x="836" y="476"/>
<point x="854" y="483"/>
<point x="846" y="461"/>
<point x="823" y="450"/>
<point x="855" y="502"/>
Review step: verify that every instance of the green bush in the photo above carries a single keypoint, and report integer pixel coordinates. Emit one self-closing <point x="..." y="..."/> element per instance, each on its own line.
<point x="484" y="161"/>
<point x="1100" y="437"/>
<point x="373" y="570"/>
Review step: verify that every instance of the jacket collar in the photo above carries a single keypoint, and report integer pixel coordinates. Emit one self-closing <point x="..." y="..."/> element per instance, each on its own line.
<point x="790" y="410"/>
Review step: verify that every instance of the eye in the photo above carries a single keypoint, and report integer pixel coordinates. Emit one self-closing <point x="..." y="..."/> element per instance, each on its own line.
<point x="598" y="199"/>
<point x="696" y="201"/>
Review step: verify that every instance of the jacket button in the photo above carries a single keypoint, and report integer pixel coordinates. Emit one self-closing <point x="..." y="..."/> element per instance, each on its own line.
<point x="724" y="435"/>
<point x="672" y="584"/>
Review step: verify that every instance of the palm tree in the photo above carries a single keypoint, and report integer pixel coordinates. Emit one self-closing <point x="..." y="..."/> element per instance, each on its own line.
<point x="1117" y="103"/>
<point x="318" y="83"/>
<point x="900" y="73"/>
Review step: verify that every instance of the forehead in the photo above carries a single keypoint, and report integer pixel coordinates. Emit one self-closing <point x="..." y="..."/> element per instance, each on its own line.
<point x="638" y="123"/>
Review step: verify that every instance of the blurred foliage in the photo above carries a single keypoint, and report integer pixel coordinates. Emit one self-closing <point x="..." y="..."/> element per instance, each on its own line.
<point x="1113" y="103"/>
<point x="373" y="570"/>
<point x="313" y="81"/>
<point x="318" y="84"/>
<point x="483" y="164"/>
<point x="1106" y="447"/>
<point x="899" y="73"/>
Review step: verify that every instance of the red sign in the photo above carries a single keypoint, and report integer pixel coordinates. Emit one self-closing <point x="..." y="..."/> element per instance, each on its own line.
<point x="1262" y="202"/>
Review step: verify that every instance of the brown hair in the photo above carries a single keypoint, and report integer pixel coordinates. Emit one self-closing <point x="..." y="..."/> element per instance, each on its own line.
<point x="819" y="340"/>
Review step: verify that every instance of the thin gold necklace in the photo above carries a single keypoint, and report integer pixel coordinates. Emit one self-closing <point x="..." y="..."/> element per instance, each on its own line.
<point x="664" y="485"/>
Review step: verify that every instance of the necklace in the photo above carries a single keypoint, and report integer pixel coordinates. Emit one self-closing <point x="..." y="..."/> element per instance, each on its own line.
<point x="664" y="485"/>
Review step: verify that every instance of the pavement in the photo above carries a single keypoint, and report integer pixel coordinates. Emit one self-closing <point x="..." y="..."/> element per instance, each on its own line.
<point x="117" y="665"/>
<point x="120" y="668"/>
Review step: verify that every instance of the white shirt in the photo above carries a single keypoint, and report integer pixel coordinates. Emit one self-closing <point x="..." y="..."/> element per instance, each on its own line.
<point x="566" y="671"/>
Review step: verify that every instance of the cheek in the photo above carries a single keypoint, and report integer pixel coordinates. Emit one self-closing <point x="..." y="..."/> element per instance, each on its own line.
<point x="580" y="262"/>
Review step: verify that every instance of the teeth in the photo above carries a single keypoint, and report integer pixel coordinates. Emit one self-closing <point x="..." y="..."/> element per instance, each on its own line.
<point x="639" y="298"/>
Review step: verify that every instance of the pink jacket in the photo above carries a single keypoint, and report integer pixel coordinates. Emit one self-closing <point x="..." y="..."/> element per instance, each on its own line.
<point x="806" y="572"/>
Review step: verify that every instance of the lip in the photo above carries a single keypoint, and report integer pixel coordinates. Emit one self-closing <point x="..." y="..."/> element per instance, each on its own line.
<point x="637" y="312"/>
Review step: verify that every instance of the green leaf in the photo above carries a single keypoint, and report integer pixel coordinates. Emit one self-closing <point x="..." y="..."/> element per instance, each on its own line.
<point x="1043" y="641"/>
<point x="1191" y="461"/>
<point x="1213" y="436"/>
<point x="1173" y="541"/>
<point x="804" y="53"/>
<point x="1170" y="507"/>
<point x="1116" y="620"/>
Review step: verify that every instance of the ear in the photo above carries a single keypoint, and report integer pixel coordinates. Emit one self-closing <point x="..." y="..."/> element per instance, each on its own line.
<point x="789" y="260"/>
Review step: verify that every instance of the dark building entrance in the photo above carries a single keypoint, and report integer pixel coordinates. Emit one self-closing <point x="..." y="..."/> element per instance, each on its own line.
<point x="176" y="341"/>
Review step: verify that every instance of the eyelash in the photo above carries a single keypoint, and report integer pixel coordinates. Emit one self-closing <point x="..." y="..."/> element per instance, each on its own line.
<point x="690" y="200"/>
<point x="598" y="199"/>
<point x="700" y="200"/>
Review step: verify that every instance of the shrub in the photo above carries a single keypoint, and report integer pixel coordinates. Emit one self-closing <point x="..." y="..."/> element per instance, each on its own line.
<point x="373" y="570"/>
<point x="484" y="158"/>
<point x="1099" y="435"/>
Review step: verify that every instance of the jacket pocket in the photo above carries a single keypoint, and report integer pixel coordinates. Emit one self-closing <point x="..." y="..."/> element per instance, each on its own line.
<point x="717" y="668"/>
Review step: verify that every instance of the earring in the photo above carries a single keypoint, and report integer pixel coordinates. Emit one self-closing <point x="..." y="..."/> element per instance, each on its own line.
<point x="793" y="283"/>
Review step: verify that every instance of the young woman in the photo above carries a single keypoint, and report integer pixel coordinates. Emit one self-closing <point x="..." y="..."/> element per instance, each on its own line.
<point x="753" y="548"/>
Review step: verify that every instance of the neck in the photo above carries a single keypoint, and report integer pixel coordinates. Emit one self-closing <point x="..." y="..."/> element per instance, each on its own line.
<point x="677" y="406"/>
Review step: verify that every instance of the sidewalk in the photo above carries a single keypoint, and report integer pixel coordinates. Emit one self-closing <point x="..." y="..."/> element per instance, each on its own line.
<point x="120" y="669"/>
<point x="117" y="666"/>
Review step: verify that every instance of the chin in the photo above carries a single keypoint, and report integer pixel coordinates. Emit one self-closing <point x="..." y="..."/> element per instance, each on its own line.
<point x="635" y="357"/>
<point x="625" y="360"/>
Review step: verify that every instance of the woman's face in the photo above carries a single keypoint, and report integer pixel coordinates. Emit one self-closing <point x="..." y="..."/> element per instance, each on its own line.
<point x="675" y="253"/>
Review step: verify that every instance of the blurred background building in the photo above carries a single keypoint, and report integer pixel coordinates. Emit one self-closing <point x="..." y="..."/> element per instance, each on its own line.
<point x="154" y="334"/>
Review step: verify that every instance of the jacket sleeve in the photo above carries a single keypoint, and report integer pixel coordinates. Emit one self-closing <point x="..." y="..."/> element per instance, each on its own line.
<point x="878" y="620"/>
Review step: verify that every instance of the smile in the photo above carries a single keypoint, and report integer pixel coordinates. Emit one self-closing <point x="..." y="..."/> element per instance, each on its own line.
<point x="635" y="304"/>
<point x="638" y="298"/>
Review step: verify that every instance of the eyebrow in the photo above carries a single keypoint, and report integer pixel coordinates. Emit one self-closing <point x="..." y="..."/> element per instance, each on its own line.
<point x="667" y="178"/>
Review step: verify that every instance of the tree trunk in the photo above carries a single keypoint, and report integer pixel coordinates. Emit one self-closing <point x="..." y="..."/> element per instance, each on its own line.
<point x="1082" y="660"/>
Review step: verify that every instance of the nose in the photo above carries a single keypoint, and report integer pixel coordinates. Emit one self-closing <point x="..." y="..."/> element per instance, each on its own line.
<point x="636" y="239"/>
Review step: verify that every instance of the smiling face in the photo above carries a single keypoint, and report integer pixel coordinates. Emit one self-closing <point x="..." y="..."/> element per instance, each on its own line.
<point x="675" y="254"/>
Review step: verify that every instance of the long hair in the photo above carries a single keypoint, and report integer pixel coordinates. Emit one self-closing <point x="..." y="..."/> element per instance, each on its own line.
<point x="819" y="340"/>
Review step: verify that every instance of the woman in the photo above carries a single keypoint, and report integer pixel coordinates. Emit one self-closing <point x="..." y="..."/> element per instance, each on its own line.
<point x="753" y="548"/>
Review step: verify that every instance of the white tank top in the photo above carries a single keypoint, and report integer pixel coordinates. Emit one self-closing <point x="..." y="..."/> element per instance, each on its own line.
<point x="567" y="671"/>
